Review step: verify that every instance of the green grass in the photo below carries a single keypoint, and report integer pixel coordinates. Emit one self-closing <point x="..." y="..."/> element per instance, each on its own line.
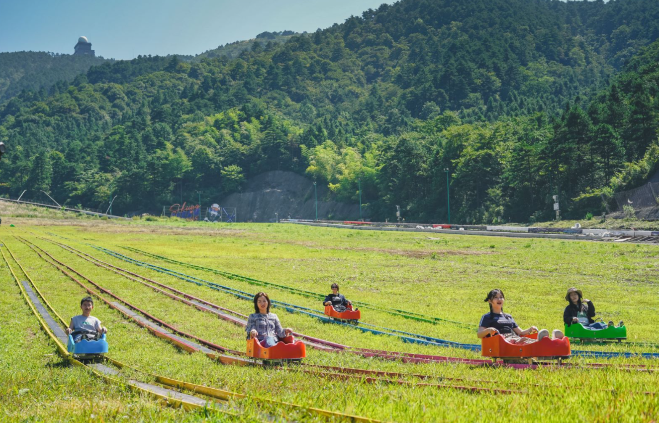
<point x="445" y="276"/>
<point x="38" y="385"/>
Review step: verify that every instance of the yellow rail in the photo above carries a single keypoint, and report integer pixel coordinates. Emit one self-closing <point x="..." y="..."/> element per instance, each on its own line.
<point x="68" y="356"/>
<point x="204" y="390"/>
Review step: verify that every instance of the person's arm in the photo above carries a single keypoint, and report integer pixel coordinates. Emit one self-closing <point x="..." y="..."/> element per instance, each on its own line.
<point x="483" y="332"/>
<point x="567" y="316"/>
<point x="344" y="301"/>
<point x="328" y="300"/>
<point x="249" y="328"/>
<point x="528" y="331"/>
<point x="591" y="311"/>
<point x="280" y="331"/>
<point x="69" y="330"/>
<point x="99" y="327"/>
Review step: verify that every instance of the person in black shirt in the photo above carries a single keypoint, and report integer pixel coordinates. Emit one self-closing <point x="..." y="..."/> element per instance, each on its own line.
<point x="336" y="300"/>
<point x="498" y="322"/>
<point x="581" y="311"/>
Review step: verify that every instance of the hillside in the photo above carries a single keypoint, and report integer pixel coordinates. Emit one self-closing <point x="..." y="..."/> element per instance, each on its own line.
<point x="285" y="195"/>
<point x="518" y="99"/>
<point x="34" y="71"/>
<point x="260" y="42"/>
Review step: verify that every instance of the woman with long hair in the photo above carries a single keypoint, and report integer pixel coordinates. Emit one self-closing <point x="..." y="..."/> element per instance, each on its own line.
<point x="498" y="322"/>
<point x="264" y="325"/>
<point x="581" y="310"/>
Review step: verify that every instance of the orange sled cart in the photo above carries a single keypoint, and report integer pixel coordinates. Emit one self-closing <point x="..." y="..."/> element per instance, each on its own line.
<point x="498" y="347"/>
<point x="286" y="349"/>
<point x="349" y="314"/>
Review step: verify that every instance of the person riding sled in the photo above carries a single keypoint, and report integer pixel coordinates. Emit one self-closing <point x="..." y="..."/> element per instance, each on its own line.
<point x="85" y="326"/>
<point x="498" y="322"/>
<point x="263" y="325"/>
<point x="336" y="300"/>
<point x="581" y="310"/>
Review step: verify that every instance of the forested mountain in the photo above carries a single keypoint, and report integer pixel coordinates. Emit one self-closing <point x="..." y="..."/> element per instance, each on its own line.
<point x="33" y="71"/>
<point x="233" y="50"/>
<point x="518" y="99"/>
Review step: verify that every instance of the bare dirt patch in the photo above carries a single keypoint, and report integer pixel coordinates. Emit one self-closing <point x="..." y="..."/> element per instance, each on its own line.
<point x="421" y="254"/>
<point x="30" y="334"/>
<point x="137" y="228"/>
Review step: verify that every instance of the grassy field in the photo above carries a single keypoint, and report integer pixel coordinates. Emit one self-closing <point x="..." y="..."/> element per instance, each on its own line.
<point x="445" y="276"/>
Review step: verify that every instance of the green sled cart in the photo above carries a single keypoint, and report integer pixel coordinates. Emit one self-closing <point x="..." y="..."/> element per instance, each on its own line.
<point x="612" y="333"/>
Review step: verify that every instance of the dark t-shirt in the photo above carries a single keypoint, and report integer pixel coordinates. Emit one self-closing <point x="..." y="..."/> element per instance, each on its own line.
<point x="572" y="311"/>
<point x="504" y="323"/>
<point x="336" y="300"/>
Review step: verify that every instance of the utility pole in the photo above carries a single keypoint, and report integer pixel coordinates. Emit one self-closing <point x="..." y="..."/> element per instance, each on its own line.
<point x="448" y="197"/>
<point x="315" y="191"/>
<point x="557" y="207"/>
<point x="360" y="198"/>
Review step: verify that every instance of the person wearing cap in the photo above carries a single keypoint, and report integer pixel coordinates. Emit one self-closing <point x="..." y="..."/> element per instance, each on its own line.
<point x="581" y="310"/>
<point x="498" y="322"/>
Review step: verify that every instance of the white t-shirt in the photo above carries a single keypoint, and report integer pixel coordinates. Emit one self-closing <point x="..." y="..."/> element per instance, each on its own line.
<point x="88" y="323"/>
<point x="583" y="318"/>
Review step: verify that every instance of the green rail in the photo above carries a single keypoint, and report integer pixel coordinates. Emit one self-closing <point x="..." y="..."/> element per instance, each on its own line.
<point x="302" y="292"/>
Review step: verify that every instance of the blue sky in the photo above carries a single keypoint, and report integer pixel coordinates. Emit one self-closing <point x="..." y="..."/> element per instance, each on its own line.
<point x="123" y="29"/>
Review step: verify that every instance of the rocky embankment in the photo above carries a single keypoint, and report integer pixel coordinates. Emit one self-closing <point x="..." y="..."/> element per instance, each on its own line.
<point x="286" y="195"/>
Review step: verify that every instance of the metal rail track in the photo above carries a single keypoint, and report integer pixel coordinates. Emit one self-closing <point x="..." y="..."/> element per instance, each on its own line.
<point x="405" y="357"/>
<point x="191" y="347"/>
<point x="309" y="294"/>
<point x="302" y="292"/>
<point x="38" y="304"/>
<point x="365" y="327"/>
<point x="370" y="376"/>
<point x="187" y="401"/>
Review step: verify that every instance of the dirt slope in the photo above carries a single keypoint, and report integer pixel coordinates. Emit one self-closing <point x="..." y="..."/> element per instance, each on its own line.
<point x="289" y="195"/>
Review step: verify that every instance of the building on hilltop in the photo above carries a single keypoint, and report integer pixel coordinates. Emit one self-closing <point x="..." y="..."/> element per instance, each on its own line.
<point x="84" y="47"/>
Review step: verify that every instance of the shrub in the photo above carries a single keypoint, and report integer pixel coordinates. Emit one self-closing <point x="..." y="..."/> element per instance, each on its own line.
<point x="629" y="211"/>
<point x="589" y="216"/>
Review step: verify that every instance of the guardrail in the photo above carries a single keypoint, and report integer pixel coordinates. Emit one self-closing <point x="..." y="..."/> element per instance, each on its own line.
<point x="50" y="206"/>
<point x="511" y="229"/>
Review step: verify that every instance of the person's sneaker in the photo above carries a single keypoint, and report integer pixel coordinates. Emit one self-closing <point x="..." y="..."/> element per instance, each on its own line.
<point x="543" y="334"/>
<point x="621" y="324"/>
<point x="557" y="334"/>
<point x="611" y="323"/>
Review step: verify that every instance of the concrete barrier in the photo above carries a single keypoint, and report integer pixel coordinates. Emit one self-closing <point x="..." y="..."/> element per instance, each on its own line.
<point x="507" y="228"/>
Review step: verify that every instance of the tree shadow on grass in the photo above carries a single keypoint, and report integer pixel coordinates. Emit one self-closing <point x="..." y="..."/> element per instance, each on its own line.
<point x="58" y="364"/>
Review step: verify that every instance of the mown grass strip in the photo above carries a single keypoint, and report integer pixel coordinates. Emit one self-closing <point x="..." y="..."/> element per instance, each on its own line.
<point x="309" y="294"/>
<point x="292" y="308"/>
<point x="187" y="385"/>
<point x="405" y="336"/>
<point x="154" y="391"/>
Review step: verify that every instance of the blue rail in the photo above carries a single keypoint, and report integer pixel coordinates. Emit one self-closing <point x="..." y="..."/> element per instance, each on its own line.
<point x="364" y="327"/>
